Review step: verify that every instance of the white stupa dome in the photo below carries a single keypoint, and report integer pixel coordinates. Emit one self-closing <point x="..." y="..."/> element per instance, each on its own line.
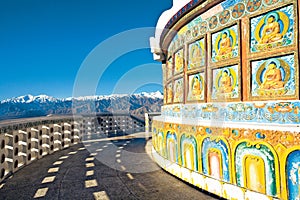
<point x="162" y="21"/>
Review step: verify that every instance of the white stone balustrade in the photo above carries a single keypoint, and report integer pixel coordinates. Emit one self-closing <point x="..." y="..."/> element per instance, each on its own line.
<point x="22" y="143"/>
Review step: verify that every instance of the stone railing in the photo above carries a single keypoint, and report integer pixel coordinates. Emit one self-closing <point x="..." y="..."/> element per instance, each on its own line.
<point x="23" y="141"/>
<point x="119" y="123"/>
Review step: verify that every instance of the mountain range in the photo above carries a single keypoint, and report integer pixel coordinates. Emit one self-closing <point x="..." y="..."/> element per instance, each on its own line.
<point x="43" y="105"/>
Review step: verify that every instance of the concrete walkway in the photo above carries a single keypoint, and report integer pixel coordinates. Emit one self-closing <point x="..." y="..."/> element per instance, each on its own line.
<point x="79" y="173"/>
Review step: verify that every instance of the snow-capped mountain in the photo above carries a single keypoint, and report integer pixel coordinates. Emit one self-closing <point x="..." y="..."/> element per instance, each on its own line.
<point x="42" y="105"/>
<point x="154" y="95"/>
<point x="45" y="98"/>
<point x="29" y="98"/>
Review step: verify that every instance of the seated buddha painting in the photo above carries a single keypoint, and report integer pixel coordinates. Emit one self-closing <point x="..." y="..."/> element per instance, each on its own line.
<point x="178" y="91"/>
<point x="179" y="62"/>
<point x="196" y="87"/>
<point x="273" y="78"/>
<point x="169" y="68"/>
<point x="225" y="83"/>
<point x="196" y="55"/>
<point x="273" y="29"/>
<point x="169" y="92"/>
<point x="225" y="44"/>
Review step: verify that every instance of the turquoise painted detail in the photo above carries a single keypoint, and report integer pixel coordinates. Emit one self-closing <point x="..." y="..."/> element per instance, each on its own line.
<point x="259" y="135"/>
<point x="162" y="143"/>
<point x="284" y="112"/>
<point x="220" y="145"/>
<point x="288" y="37"/>
<point x="262" y="151"/>
<point x="293" y="176"/>
<point x="174" y="137"/>
<point x="190" y="140"/>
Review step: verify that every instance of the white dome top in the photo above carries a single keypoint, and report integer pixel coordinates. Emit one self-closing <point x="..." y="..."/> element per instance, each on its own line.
<point x="168" y="14"/>
<point x="177" y="4"/>
<point x="162" y="21"/>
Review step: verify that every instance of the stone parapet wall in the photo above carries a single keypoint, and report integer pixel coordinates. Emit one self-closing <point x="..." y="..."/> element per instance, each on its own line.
<point x="24" y="140"/>
<point x="22" y="143"/>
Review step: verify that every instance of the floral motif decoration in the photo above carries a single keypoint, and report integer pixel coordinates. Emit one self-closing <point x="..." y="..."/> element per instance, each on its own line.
<point x="238" y="10"/>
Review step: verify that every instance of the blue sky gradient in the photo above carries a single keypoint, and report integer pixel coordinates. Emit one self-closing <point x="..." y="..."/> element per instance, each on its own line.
<point x="44" y="42"/>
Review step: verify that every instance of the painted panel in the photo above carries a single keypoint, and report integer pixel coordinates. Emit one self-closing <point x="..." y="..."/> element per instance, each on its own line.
<point x="196" y="87"/>
<point x="267" y="177"/>
<point x="170" y="93"/>
<point x="226" y="83"/>
<point x="169" y="68"/>
<point x="255" y="164"/>
<point x="188" y="146"/>
<point x="172" y="150"/>
<point x="273" y="29"/>
<point x="255" y="173"/>
<point x="215" y="159"/>
<point x="179" y="61"/>
<point x="283" y="112"/>
<point x="215" y="163"/>
<point x="273" y="78"/>
<point x="178" y="90"/>
<point x="196" y="54"/>
<point x="225" y="44"/>
<point x="154" y="136"/>
<point x="160" y="143"/>
<point x="293" y="175"/>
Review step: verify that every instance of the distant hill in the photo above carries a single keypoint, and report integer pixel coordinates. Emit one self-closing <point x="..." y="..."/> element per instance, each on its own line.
<point x="43" y="105"/>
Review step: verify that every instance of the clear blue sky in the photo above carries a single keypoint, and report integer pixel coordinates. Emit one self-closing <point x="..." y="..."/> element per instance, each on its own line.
<point x="44" y="42"/>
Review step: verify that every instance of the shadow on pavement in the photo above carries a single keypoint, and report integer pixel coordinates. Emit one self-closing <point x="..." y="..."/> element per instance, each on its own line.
<point x="79" y="173"/>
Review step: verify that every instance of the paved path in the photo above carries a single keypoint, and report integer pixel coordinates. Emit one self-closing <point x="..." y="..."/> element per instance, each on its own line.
<point x="79" y="173"/>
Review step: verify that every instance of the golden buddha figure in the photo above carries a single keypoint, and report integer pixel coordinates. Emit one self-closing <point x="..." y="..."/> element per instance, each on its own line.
<point x="178" y="63"/>
<point x="271" y="31"/>
<point x="178" y="92"/>
<point x="225" y="83"/>
<point x="195" y="56"/>
<point x="196" y="88"/>
<point x="272" y="78"/>
<point x="225" y="45"/>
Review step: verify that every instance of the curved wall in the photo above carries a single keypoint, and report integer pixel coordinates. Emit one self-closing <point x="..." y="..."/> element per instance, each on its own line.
<point x="230" y="120"/>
